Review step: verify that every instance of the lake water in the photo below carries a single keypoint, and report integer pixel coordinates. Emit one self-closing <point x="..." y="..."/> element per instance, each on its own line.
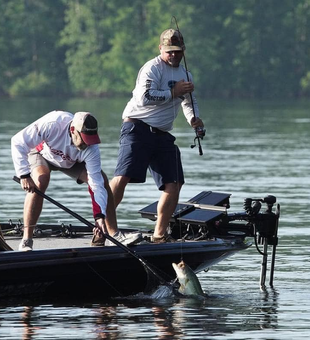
<point x="251" y="149"/>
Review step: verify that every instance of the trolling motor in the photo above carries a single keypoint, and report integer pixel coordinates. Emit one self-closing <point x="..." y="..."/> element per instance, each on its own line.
<point x="264" y="223"/>
<point x="252" y="205"/>
<point x="265" y="231"/>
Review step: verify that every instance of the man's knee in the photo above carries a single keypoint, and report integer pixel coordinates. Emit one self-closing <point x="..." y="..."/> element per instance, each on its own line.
<point x="41" y="177"/>
<point x="119" y="182"/>
<point x="173" y="187"/>
<point x="42" y="182"/>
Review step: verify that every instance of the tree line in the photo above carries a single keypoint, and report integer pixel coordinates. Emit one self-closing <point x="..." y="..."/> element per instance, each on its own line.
<point x="234" y="48"/>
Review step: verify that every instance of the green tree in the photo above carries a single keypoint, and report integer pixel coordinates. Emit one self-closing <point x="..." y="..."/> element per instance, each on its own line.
<point x="108" y="41"/>
<point x="234" y="48"/>
<point x="29" y="38"/>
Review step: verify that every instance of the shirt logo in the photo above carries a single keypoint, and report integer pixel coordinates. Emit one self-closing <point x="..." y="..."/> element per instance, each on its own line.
<point x="171" y="83"/>
<point x="62" y="155"/>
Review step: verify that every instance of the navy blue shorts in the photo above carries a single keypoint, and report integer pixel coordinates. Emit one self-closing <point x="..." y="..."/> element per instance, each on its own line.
<point x="141" y="148"/>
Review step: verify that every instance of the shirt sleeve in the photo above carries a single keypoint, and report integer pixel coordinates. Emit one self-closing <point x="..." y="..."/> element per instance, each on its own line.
<point x="189" y="105"/>
<point x="98" y="192"/>
<point x="26" y="140"/>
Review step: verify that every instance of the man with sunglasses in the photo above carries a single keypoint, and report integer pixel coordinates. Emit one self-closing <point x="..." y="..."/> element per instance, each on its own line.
<point x="61" y="141"/>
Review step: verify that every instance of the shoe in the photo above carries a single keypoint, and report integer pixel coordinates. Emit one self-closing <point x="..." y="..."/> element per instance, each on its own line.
<point x="97" y="241"/>
<point x="128" y="239"/>
<point x="163" y="239"/>
<point x="26" y="245"/>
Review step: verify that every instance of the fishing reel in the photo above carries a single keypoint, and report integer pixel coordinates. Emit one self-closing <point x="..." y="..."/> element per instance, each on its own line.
<point x="200" y="133"/>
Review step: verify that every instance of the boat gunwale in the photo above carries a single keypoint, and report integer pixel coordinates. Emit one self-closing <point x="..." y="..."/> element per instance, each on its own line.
<point x="53" y="256"/>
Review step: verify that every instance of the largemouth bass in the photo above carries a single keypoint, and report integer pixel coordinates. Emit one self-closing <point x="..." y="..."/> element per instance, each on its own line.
<point x="189" y="283"/>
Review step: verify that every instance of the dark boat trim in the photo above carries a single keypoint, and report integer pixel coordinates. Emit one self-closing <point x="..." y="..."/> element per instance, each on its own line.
<point x="110" y="269"/>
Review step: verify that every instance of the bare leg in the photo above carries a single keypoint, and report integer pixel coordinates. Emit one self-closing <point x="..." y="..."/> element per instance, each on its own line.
<point x="110" y="221"/>
<point x="118" y="185"/>
<point x="33" y="202"/>
<point x="165" y="208"/>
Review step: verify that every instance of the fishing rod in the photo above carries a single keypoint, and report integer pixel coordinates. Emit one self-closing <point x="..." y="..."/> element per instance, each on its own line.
<point x="200" y="131"/>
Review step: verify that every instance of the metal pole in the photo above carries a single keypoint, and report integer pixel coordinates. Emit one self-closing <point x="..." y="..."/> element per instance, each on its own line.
<point x="275" y="239"/>
<point x="264" y="264"/>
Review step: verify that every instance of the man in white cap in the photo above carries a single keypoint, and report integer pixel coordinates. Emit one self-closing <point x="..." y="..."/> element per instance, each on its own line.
<point x="145" y="142"/>
<point x="69" y="143"/>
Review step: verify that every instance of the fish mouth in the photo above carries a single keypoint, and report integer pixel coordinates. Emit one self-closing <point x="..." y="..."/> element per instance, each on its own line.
<point x="179" y="269"/>
<point x="179" y="265"/>
<point x="176" y="267"/>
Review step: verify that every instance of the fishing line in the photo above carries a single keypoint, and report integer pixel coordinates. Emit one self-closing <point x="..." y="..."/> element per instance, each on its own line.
<point x="177" y="160"/>
<point x="100" y="276"/>
<point x="178" y="223"/>
<point x="198" y="131"/>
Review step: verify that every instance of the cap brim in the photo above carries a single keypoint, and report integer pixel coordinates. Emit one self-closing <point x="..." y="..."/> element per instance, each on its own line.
<point x="171" y="48"/>
<point x="90" y="139"/>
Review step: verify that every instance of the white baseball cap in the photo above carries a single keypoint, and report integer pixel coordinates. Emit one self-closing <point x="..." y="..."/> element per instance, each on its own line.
<point x="86" y="124"/>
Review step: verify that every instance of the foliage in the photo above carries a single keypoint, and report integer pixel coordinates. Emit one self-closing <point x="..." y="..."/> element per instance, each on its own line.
<point x="29" y="31"/>
<point x="33" y="84"/>
<point x="240" y="48"/>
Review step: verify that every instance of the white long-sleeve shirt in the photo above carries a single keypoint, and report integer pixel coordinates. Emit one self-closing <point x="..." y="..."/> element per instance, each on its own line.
<point x="50" y="135"/>
<point x="151" y="99"/>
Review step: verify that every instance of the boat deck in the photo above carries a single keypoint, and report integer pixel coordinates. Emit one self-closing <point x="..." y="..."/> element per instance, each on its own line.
<point x="52" y="242"/>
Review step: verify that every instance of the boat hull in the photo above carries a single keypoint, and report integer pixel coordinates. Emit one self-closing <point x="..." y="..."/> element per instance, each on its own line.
<point x="104" y="271"/>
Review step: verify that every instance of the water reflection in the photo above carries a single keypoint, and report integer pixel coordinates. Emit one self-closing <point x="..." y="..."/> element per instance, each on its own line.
<point x="106" y="323"/>
<point x="29" y="329"/>
<point x="268" y="309"/>
<point x="218" y="315"/>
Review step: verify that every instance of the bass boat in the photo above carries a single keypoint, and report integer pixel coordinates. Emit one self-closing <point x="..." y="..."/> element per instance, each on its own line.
<point x="205" y="233"/>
